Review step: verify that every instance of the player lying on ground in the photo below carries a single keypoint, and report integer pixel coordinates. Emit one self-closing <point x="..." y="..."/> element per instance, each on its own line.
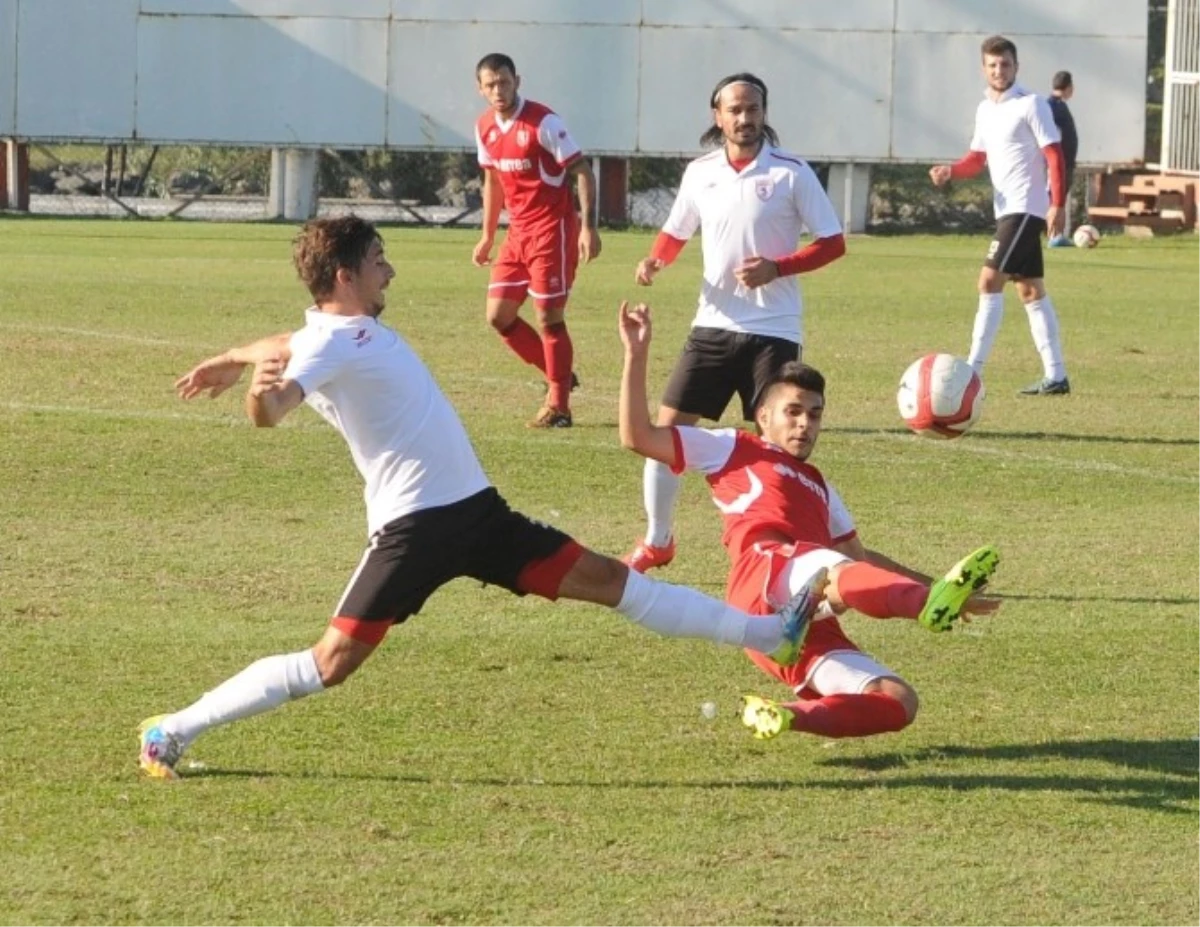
<point x="432" y="515"/>
<point x="786" y="528"/>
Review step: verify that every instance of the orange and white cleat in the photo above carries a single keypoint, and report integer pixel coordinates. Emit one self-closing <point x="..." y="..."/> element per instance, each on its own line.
<point x="648" y="556"/>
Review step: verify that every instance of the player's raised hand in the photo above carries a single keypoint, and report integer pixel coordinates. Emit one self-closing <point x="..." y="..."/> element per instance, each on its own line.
<point x="755" y="272"/>
<point x="482" y="255"/>
<point x="589" y="244"/>
<point x="635" y="327"/>
<point x="213" y="376"/>
<point x="646" y="269"/>
<point x="940" y="174"/>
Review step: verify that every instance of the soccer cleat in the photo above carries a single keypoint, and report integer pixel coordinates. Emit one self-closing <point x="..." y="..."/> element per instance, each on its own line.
<point x="550" y="417"/>
<point x="948" y="596"/>
<point x="765" y="719"/>
<point x="797" y="617"/>
<point x="1048" y="387"/>
<point x="160" y="751"/>
<point x="1060" y="241"/>
<point x="646" y="556"/>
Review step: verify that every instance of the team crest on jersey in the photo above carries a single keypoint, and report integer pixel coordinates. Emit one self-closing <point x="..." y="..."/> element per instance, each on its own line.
<point x="522" y="137"/>
<point x="763" y="188"/>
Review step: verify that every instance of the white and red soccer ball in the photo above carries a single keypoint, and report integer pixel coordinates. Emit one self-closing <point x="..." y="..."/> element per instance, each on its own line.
<point x="1086" y="236"/>
<point x="940" y="396"/>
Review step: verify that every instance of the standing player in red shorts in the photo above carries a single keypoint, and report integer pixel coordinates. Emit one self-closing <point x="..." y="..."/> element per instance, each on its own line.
<point x="785" y="526"/>
<point x="528" y="158"/>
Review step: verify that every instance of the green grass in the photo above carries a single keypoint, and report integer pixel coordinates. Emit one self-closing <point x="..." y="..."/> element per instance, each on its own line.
<point x="504" y="760"/>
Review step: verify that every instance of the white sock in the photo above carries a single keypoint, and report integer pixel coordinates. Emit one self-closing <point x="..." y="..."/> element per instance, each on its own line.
<point x="988" y="317"/>
<point x="261" y="686"/>
<point x="660" y="489"/>
<point x="677" y="611"/>
<point x="1043" y="325"/>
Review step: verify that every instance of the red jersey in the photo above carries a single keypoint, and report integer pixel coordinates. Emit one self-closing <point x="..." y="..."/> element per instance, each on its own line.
<point x="530" y="154"/>
<point x="762" y="490"/>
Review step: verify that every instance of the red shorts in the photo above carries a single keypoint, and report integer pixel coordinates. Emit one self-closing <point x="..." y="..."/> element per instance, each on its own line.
<point x="540" y="264"/>
<point x="751" y="577"/>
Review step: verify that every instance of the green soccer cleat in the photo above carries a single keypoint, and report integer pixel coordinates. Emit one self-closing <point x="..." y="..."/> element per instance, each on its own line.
<point x="160" y="751"/>
<point x="948" y="596"/>
<point x="765" y="719"/>
<point x="797" y="617"/>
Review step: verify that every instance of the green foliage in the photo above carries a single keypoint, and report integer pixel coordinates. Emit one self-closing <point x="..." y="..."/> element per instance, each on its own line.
<point x="504" y="760"/>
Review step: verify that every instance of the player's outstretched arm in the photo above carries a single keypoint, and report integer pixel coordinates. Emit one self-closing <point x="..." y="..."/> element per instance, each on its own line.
<point x="638" y="433"/>
<point x="217" y="374"/>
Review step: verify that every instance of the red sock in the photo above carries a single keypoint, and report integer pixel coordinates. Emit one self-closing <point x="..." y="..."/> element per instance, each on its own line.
<point x="524" y="342"/>
<point x="560" y="354"/>
<point x="849" y="715"/>
<point x="880" y="593"/>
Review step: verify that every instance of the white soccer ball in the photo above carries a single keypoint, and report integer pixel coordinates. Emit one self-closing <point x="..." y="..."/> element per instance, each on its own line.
<point x="940" y="396"/>
<point x="1086" y="236"/>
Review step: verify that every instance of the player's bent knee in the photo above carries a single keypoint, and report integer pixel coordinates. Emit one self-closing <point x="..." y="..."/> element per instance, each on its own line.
<point x="502" y="313"/>
<point x="901" y="691"/>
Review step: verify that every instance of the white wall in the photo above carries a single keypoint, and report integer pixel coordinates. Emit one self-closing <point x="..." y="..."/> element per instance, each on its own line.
<point x="850" y="80"/>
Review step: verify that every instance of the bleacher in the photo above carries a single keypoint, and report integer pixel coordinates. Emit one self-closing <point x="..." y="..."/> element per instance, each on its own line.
<point x="1146" y="204"/>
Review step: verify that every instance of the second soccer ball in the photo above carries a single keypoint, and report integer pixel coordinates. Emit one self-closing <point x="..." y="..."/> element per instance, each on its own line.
<point x="940" y="396"/>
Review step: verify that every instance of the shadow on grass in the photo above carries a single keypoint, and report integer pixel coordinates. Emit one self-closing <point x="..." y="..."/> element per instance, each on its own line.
<point x="1124" y="599"/>
<point x="1172" y="790"/>
<point x="1032" y="436"/>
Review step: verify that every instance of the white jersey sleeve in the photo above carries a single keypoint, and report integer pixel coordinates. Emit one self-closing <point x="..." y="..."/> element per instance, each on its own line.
<point x="554" y="137"/>
<point x="684" y="217"/>
<point x="1041" y="122"/>
<point x="704" y="449"/>
<point x="316" y="359"/>
<point x="841" y="524"/>
<point x="813" y="205"/>
<point x="481" y="155"/>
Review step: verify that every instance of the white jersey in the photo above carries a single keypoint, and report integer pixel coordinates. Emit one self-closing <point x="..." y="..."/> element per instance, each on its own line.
<point x="405" y="437"/>
<point x="761" y="211"/>
<point x="1012" y="131"/>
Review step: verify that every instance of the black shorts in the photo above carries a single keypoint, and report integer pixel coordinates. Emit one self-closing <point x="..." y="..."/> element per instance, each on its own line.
<point x="1016" y="249"/>
<point x="716" y="363"/>
<point x="409" y="558"/>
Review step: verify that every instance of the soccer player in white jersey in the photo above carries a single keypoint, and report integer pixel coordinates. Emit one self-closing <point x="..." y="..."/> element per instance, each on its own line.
<point x="1016" y="138"/>
<point x="751" y="202"/>
<point x="786" y="527"/>
<point x="432" y="515"/>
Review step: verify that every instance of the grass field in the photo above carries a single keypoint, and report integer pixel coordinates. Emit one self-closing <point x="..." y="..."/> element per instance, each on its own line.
<point x="502" y="760"/>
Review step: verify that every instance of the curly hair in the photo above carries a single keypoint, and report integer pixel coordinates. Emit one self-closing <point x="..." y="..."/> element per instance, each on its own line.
<point x="323" y="246"/>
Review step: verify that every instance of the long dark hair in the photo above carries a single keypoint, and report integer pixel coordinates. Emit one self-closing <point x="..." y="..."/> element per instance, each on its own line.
<point x="714" y="137"/>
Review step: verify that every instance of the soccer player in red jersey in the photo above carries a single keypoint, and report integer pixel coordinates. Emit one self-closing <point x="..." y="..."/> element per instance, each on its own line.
<point x="784" y="525"/>
<point x="528" y="158"/>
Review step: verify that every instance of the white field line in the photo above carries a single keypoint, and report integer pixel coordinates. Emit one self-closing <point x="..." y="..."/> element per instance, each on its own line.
<point x="968" y="447"/>
<point x="226" y="420"/>
<point x="110" y="336"/>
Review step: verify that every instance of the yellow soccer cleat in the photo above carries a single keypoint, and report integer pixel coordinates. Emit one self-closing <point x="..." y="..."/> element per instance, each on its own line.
<point x="765" y="719"/>
<point x="948" y="596"/>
